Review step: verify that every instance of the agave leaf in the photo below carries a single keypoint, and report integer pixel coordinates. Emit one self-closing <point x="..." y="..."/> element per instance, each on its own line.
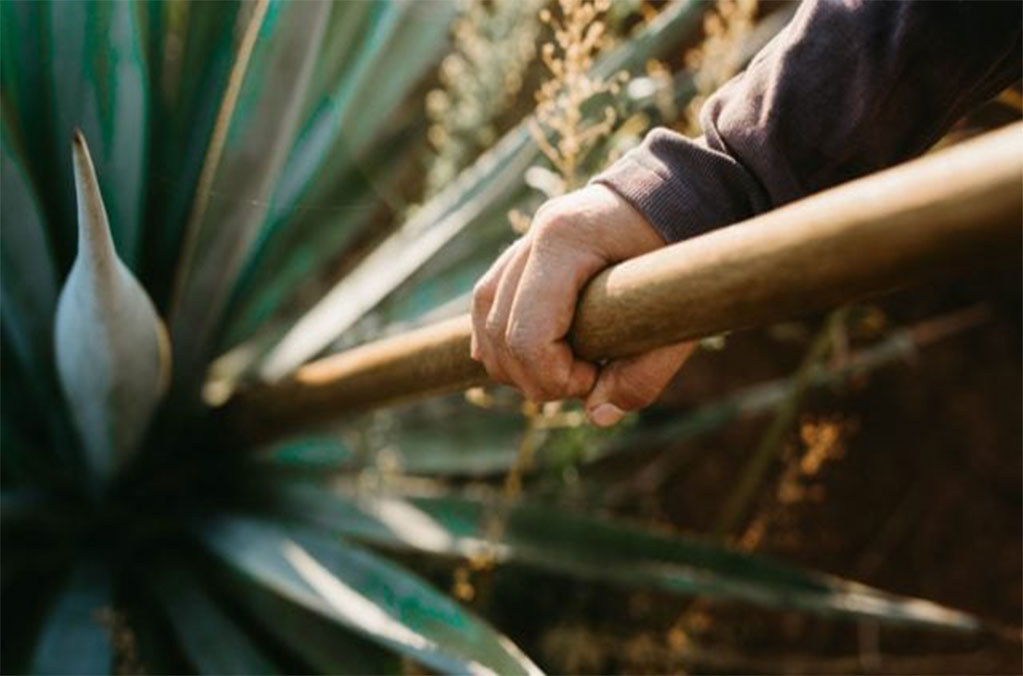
<point x="319" y="138"/>
<point x="487" y="445"/>
<point x="25" y="109"/>
<point x="422" y="440"/>
<point x="324" y="645"/>
<point x="294" y="256"/>
<point x="601" y="549"/>
<point x="341" y="149"/>
<point x="402" y="253"/>
<point x="28" y="279"/>
<point x="256" y="125"/>
<point x="100" y="84"/>
<point x="212" y="641"/>
<point x="442" y="287"/>
<point x="186" y="91"/>
<point x="318" y="453"/>
<point x="73" y="639"/>
<point x="113" y="358"/>
<point x="364" y="592"/>
<point x="493" y="178"/>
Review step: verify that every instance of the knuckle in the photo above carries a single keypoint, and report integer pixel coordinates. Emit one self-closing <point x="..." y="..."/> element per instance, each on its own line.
<point x="493" y="330"/>
<point x="551" y="226"/>
<point x="548" y="377"/>
<point x="520" y="345"/>
<point x="482" y="296"/>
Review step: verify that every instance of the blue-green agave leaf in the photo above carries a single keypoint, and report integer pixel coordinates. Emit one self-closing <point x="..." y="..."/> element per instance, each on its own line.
<point x="73" y="639"/>
<point x="187" y="86"/>
<point x="322" y="644"/>
<point x="364" y="592"/>
<point x="320" y="137"/>
<point x="28" y="278"/>
<point x="113" y="357"/>
<point x="333" y="182"/>
<point x="255" y="129"/>
<point x="601" y="549"/>
<point x="442" y="287"/>
<point x="212" y="641"/>
<point x="100" y="84"/>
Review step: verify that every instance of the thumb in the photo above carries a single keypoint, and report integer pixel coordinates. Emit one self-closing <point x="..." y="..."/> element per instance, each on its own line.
<point x="634" y="382"/>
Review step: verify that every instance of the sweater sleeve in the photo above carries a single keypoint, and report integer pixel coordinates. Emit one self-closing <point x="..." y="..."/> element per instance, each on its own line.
<point x="845" y="89"/>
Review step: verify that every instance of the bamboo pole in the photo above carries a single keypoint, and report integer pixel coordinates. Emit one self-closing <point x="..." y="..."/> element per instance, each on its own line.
<point x="933" y="216"/>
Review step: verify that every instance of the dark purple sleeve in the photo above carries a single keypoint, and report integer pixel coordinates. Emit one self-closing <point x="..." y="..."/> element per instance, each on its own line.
<point x="847" y="88"/>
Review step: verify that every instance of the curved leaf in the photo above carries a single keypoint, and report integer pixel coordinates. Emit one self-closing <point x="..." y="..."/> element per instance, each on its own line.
<point x="187" y="87"/>
<point x="368" y="594"/>
<point x="254" y="131"/>
<point x="73" y="639"/>
<point x="324" y="645"/>
<point x="28" y="278"/>
<point x="100" y="85"/>
<point x="212" y="641"/>
<point x="342" y="166"/>
<point x="602" y="549"/>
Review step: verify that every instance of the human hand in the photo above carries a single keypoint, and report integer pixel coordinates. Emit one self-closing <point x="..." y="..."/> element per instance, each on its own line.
<point x="522" y="308"/>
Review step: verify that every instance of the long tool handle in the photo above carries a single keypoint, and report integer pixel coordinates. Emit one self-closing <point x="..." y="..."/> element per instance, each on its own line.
<point x="936" y="215"/>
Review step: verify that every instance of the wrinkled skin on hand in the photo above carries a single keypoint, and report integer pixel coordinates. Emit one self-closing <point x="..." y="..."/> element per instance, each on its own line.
<point x="522" y="308"/>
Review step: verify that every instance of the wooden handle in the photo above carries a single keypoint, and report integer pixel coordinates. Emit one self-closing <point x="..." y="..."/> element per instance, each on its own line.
<point x="933" y="216"/>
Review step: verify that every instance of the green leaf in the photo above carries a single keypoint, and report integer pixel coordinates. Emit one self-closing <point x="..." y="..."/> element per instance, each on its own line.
<point x="212" y="641"/>
<point x="317" y="453"/>
<point x="343" y="164"/>
<point x="319" y="642"/>
<point x="28" y="114"/>
<point x="100" y="84"/>
<point x="187" y="87"/>
<point x="368" y="594"/>
<point x="256" y="125"/>
<point x="443" y="286"/>
<point x="601" y="549"/>
<point x="28" y="279"/>
<point x="73" y="639"/>
<point x="452" y="437"/>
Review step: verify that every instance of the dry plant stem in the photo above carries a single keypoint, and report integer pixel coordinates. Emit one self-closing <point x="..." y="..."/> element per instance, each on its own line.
<point x="769" y="448"/>
<point x="578" y="38"/>
<point x="958" y="208"/>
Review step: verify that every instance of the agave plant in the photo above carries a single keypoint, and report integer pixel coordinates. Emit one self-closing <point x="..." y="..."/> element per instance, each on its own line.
<point x="204" y="166"/>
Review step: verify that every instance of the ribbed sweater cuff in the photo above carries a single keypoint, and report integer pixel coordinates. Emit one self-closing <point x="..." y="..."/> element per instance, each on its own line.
<point x="682" y="187"/>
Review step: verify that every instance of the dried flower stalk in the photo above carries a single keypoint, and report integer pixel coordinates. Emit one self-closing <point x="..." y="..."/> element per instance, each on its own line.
<point x="559" y="127"/>
<point x="494" y="44"/>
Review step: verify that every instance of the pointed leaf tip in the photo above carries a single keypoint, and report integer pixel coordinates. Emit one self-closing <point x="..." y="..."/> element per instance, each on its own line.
<point x="110" y="344"/>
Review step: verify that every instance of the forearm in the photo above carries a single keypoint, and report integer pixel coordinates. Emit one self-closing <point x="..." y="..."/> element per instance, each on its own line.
<point x="845" y="89"/>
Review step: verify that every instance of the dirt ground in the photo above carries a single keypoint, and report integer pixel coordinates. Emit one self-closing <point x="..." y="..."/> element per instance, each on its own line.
<point x="907" y="479"/>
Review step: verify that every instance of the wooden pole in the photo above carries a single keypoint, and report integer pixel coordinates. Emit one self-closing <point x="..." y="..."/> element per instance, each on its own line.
<point x="933" y="216"/>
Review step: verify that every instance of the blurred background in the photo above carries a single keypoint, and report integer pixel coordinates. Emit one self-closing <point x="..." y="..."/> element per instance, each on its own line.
<point x="288" y="180"/>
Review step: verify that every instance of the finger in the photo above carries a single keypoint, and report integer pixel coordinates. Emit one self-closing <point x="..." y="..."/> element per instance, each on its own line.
<point x="541" y="316"/>
<point x="633" y="383"/>
<point x="483" y="294"/>
<point x="492" y="344"/>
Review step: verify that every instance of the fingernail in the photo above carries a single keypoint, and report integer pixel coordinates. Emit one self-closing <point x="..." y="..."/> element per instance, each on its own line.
<point x="606" y="415"/>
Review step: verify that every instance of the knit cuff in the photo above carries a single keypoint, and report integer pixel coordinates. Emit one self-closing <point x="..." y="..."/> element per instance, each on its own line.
<point x="682" y="187"/>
